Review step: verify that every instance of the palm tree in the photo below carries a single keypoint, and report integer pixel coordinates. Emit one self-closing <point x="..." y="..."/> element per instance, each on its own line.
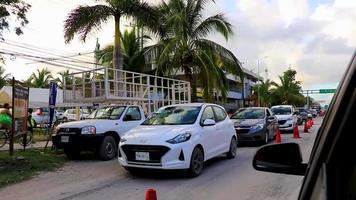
<point x="84" y="19"/>
<point x="133" y="57"/>
<point x="288" y="91"/>
<point x="3" y="77"/>
<point x="41" y="79"/>
<point x="262" y="91"/>
<point x="64" y="74"/>
<point x="183" y="46"/>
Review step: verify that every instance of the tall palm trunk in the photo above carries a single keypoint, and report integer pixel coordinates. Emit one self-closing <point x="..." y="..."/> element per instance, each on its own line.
<point x="193" y="85"/>
<point x="117" y="59"/>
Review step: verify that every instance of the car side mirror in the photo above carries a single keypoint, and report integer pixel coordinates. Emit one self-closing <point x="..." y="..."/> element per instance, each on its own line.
<point x="270" y="118"/>
<point x="209" y="122"/>
<point x="283" y="158"/>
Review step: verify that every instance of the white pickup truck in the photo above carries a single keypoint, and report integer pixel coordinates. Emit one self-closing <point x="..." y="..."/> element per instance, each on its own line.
<point x="100" y="132"/>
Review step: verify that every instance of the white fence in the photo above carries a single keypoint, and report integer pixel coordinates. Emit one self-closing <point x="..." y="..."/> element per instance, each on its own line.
<point x="111" y="86"/>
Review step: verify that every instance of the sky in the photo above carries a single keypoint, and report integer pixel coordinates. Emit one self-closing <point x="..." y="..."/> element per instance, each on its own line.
<point x="316" y="37"/>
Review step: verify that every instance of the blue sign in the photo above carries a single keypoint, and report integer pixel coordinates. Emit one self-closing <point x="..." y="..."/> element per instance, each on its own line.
<point x="52" y="100"/>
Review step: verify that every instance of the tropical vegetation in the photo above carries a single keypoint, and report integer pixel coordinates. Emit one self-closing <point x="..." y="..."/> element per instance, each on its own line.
<point x="85" y="19"/>
<point x="40" y="79"/>
<point x="4" y="78"/>
<point x="133" y="55"/>
<point x="287" y="91"/>
<point x="183" y="46"/>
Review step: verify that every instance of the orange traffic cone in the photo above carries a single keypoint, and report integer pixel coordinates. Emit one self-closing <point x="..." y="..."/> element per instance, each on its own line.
<point x="306" y="127"/>
<point x="296" y="132"/>
<point x="278" y="136"/>
<point x="151" y="194"/>
<point x="312" y="122"/>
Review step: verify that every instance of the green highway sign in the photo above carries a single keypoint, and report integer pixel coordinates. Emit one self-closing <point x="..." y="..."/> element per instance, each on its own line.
<point x="326" y="91"/>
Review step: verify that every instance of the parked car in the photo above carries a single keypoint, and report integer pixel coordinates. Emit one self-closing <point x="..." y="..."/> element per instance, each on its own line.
<point x="71" y="115"/>
<point x="329" y="173"/>
<point x="254" y="124"/>
<point x="59" y="114"/>
<point x="41" y="116"/>
<point x="314" y="113"/>
<point x="101" y="132"/>
<point x="286" y="116"/>
<point x="303" y="113"/>
<point x="179" y="137"/>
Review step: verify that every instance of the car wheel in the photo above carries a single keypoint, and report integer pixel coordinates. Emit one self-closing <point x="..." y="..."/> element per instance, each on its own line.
<point x="266" y="138"/>
<point x="196" y="162"/>
<point x="65" y="119"/>
<point x="108" y="148"/>
<point x="233" y="148"/>
<point x="72" y="153"/>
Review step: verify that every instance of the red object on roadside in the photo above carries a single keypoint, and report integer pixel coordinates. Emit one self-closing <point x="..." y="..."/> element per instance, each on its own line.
<point x="278" y="136"/>
<point x="312" y="122"/>
<point x="296" y="132"/>
<point x="151" y="194"/>
<point x="306" y="127"/>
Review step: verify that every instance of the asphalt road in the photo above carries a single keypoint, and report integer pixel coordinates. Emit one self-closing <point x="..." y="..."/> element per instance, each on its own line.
<point x="222" y="179"/>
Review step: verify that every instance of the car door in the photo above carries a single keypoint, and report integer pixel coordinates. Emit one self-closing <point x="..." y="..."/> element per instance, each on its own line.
<point x="271" y="124"/>
<point x="131" y="118"/>
<point x="222" y="136"/>
<point x="209" y="134"/>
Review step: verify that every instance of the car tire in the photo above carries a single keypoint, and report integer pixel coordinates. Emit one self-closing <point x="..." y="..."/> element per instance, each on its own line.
<point x="65" y="119"/>
<point x="233" y="148"/>
<point x="266" y="139"/>
<point x="72" y="153"/>
<point x="196" y="162"/>
<point x="108" y="148"/>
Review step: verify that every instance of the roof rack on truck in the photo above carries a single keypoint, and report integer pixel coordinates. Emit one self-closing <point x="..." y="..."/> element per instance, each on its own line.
<point x="112" y="86"/>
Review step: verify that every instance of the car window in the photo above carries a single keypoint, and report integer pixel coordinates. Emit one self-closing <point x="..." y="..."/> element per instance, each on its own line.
<point x="268" y="113"/>
<point x="132" y="114"/>
<point x="207" y="114"/>
<point x="173" y="115"/>
<point x="220" y="114"/>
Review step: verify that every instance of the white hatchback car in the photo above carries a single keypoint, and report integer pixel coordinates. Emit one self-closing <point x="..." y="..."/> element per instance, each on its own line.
<point x="179" y="137"/>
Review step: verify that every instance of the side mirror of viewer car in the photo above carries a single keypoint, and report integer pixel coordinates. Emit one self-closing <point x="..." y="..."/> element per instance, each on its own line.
<point x="280" y="158"/>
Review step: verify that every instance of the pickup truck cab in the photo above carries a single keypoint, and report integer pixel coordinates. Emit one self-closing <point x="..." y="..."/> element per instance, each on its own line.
<point x="100" y="132"/>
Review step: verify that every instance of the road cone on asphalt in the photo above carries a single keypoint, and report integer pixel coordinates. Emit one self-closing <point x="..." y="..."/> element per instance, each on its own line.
<point x="306" y="127"/>
<point x="296" y="132"/>
<point x="309" y="124"/>
<point x="312" y="122"/>
<point x="151" y="194"/>
<point x="278" y="136"/>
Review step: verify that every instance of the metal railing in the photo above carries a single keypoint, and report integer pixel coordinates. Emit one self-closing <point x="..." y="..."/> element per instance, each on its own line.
<point x="112" y="86"/>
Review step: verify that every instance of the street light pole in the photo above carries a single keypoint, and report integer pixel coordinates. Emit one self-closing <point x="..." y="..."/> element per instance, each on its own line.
<point x="258" y="79"/>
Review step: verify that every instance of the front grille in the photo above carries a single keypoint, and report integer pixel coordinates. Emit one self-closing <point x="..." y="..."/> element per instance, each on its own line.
<point x="281" y="122"/>
<point x="156" y="152"/>
<point x="69" y="131"/>
<point x="242" y="130"/>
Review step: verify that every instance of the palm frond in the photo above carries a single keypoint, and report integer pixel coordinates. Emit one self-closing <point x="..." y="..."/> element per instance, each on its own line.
<point x="83" y="19"/>
<point x="216" y="23"/>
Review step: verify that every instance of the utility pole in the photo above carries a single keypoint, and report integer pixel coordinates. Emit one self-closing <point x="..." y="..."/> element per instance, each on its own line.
<point x="258" y="79"/>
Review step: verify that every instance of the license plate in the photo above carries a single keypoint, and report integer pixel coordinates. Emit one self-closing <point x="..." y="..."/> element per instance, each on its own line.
<point x="143" y="156"/>
<point x="64" y="139"/>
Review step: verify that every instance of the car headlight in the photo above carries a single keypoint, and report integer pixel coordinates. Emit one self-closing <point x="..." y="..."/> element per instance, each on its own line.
<point x="289" y="119"/>
<point x="258" y="126"/>
<point x="180" y="138"/>
<point x="88" y="130"/>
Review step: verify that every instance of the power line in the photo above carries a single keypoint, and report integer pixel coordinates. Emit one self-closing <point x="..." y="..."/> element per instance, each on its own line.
<point x="59" y="57"/>
<point x="40" y="59"/>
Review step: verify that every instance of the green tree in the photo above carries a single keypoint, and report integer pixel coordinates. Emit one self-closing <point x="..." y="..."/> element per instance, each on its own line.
<point x="133" y="56"/>
<point x="183" y="46"/>
<point x="84" y="19"/>
<point x="41" y="79"/>
<point x="64" y="74"/>
<point x="288" y="90"/>
<point x="3" y="77"/>
<point x="10" y="10"/>
<point x="262" y="91"/>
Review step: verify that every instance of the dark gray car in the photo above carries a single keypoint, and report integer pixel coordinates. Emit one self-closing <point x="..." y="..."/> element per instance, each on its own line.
<point x="255" y="124"/>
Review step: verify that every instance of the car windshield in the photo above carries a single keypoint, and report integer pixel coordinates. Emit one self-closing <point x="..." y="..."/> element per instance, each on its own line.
<point x="282" y="111"/>
<point x="107" y="113"/>
<point x="177" y="115"/>
<point x="249" y="114"/>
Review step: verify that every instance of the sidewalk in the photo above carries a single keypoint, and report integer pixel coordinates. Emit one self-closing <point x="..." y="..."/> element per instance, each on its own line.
<point x="17" y="146"/>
